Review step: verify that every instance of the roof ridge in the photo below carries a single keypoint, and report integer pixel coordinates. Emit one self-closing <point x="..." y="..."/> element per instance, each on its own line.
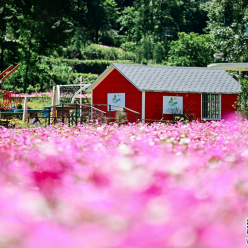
<point x="171" y="67"/>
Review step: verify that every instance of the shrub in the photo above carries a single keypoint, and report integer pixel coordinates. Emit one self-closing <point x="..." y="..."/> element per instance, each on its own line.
<point x="158" y="53"/>
<point x="92" y="66"/>
<point x="242" y="104"/>
<point x="121" y="117"/>
<point x="106" y="53"/>
<point x="129" y="46"/>
<point x="57" y="71"/>
<point x="72" y="78"/>
<point x="144" y="50"/>
<point x="190" y="50"/>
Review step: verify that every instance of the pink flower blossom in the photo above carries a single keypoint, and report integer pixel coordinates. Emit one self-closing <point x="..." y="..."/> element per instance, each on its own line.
<point x="131" y="186"/>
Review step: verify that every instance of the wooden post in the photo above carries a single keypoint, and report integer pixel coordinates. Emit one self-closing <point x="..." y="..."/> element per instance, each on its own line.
<point x="80" y="101"/>
<point x="109" y="113"/>
<point x="81" y="115"/>
<point x="68" y="116"/>
<point x="76" y="113"/>
<point x="25" y="109"/>
<point x="91" y="104"/>
<point x="63" y="121"/>
<point x="49" y="110"/>
<point x="54" y="102"/>
<point x="95" y="112"/>
<point x="83" y="112"/>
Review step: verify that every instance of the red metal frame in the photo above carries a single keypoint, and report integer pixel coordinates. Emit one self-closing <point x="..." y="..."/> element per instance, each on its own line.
<point x="6" y="70"/>
<point x="8" y="98"/>
<point x="9" y="72"/>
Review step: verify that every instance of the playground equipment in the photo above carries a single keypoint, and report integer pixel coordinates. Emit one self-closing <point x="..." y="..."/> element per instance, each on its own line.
<point x="68" y="93"/>
<point x="3" y="76"/>
<point x="8" y="98"/>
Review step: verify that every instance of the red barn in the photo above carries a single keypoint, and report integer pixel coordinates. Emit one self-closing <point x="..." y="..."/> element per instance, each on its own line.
<point x="158" y="92"/>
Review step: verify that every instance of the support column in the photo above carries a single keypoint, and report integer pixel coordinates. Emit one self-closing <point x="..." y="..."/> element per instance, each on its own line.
<point x="81" y="81"/>
<point x="58" y="95"/>
<point x="143" y="106"/>
<point x="91" y="99"/>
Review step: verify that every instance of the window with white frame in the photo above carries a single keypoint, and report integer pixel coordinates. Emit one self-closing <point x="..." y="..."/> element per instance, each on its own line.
<point x="211" y="106"/>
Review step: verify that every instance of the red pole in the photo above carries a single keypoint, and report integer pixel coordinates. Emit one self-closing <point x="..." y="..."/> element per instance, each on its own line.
<point x="9" y="74"/>
<point x="6" y="70"/>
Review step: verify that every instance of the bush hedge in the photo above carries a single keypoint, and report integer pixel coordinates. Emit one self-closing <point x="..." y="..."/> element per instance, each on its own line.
<point x="95" y="51"/>
<point x="57" y="71"/>
<point x="65" y="66"/>
<point x="48" y="80"/>
<point x="72" y="78"/>
<point x="92" y="66"/>
<point x="129" y="46"/>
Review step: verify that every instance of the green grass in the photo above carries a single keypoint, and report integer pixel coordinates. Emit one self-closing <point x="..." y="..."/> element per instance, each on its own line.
<point x="38" y="102"/>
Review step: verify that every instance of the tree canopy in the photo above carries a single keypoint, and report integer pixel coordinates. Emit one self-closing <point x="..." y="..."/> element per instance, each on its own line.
<point x="169" y="32"/>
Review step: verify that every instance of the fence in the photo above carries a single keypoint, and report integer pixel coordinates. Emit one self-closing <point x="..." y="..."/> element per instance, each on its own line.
<point x="73" y="114"/>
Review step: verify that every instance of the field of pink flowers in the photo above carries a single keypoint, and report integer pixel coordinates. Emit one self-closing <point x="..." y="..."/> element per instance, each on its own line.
<point x="136" y="186"/>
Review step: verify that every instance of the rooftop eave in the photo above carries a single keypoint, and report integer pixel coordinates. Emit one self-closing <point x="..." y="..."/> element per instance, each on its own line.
<point x="192" y="92"/>
<point x="230" y="66"/>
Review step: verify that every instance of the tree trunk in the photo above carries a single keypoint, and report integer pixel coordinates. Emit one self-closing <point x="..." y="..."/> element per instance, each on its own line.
<point x="97" y="35"/>
<point x="1" y="67"/>
<point x="28" y="58"/>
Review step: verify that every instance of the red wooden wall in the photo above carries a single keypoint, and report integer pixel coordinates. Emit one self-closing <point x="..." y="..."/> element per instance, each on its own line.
<point x="191" y="105"/>
<point x="227" y="109"/>
<point x="154" y="105"/>
<point x="116" y="83"/>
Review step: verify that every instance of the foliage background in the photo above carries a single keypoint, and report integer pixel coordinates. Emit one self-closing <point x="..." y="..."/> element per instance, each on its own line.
<point x="56" y="42"/>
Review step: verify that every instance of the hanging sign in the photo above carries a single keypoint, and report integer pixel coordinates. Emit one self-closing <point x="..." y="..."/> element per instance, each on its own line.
<point x="172" y="105"/>
<point x="117" y="99"/>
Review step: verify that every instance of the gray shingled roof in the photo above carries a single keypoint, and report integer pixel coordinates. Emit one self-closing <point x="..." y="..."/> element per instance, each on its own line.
<point x="179" y="79"/>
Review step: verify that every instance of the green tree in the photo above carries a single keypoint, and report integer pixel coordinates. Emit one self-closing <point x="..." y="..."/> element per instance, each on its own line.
<point x="242" y="105"/>
<point x="159" y="53"/>
<point x="128" y="27"/>
<point x="124" y="3"/>
<point x="33" y="27"/>
<point x="163" y="19"/>
<point x="43" y="28"/>
<point x="9" y="11"/>
<point x="101" y="15"/>
<point x="143" y="50"/>
<point x="227" y="26"/>
<point x="190" y="50"/>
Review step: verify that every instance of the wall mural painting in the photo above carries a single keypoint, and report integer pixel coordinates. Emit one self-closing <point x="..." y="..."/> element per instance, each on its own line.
<point x="116" y="99"/>
<point x="172" y="105"/>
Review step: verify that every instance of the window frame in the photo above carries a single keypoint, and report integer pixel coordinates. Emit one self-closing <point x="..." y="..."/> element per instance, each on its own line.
<point x="205" y="118"/>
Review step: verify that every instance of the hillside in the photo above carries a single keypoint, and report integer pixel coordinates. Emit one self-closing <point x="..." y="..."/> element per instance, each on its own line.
<point x="55" y="42"/>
